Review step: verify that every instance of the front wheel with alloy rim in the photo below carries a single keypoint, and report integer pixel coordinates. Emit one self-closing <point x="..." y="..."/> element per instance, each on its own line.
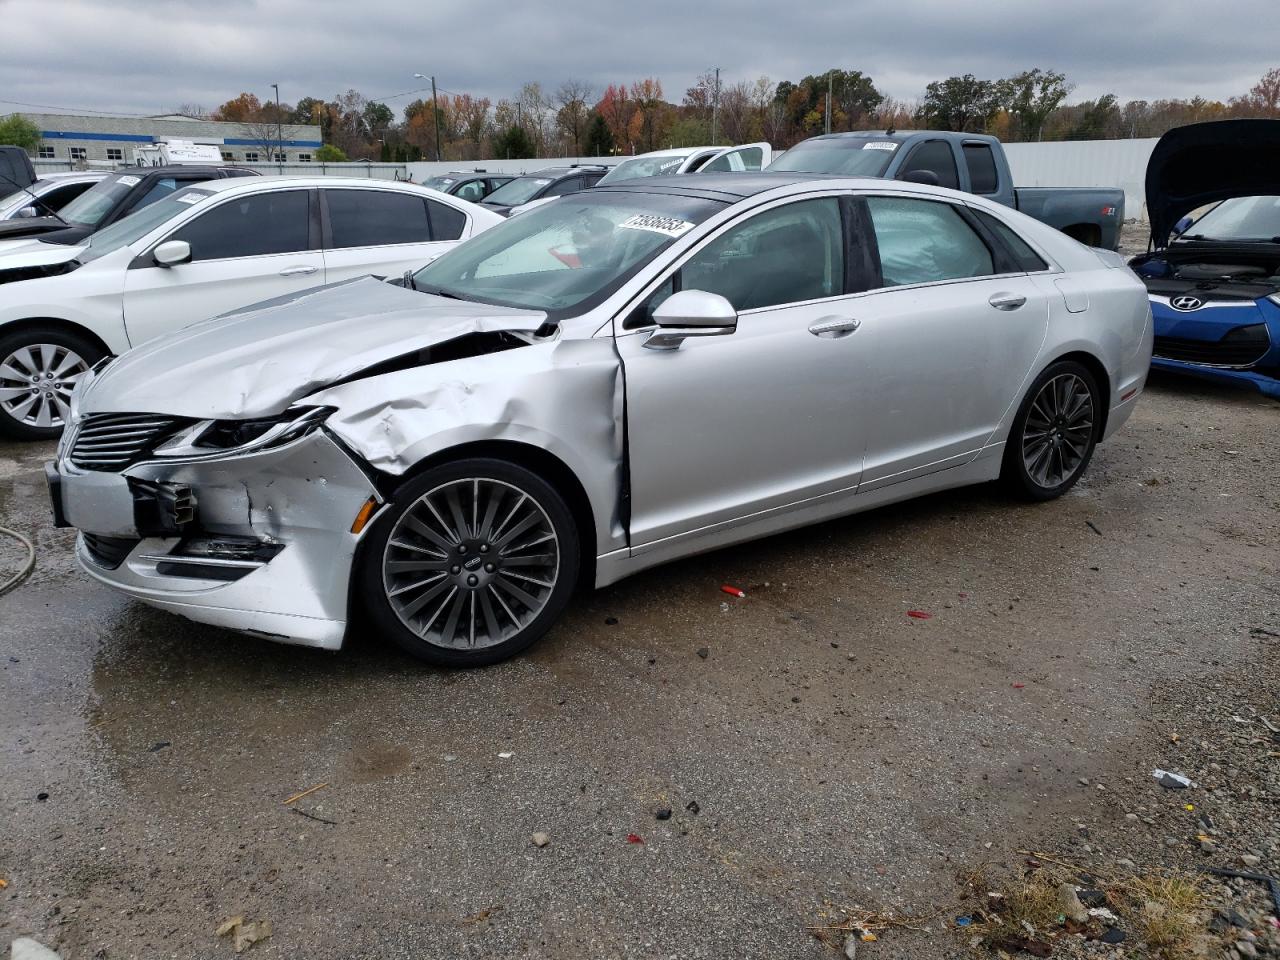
<point x="1054" y="433"/>
<point x="470" y="562"/>
<point x="39" y="367"/>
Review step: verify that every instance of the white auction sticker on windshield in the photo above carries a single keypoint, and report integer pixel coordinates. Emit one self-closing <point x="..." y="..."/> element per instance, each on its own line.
<point x="880" y="145"/>
<point x="542" y="183"/>
<point x="667" y="226"/>
<point x="191" y="197"/>
<point x="129" y="181"/>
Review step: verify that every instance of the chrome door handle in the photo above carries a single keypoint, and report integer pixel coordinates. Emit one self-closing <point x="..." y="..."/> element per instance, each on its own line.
<point x="1006" y="301"/>
<point x="298" y="271"/>
<point x="831" y="327"/>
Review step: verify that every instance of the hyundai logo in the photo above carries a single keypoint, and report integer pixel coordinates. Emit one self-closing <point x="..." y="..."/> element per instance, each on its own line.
<point x="1186" y="303"/>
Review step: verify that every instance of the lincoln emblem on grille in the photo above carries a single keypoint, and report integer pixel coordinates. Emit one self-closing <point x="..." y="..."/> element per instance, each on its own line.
<point x="1186" y="303"/>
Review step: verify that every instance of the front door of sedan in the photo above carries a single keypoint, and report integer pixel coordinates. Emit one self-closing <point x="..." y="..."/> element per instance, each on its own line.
<point x="951" y="335"/>
<point x="248" y="248"/>
<point x="729" y="426"/>
<point x="385" y="232"/>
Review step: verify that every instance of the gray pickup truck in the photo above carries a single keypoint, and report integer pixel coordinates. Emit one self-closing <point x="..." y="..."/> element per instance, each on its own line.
<point x="971" y="162"/>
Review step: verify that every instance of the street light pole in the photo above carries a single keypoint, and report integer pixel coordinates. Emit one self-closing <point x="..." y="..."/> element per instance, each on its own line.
<point x="435" y="109"/>
<point x="279" y="128"/>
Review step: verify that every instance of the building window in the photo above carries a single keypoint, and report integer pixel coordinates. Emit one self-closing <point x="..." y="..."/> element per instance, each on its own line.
<point x="77" y="153"/>
<point x="251" y="156"/>
<point x="228" y="156"/>
<point x="115" y="153"/>
<point x="304" y="158"/>
<point x="280" y="158"/>
<point x="46" y="153"/>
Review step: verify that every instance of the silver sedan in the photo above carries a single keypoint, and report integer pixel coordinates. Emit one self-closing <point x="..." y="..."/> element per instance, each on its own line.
<point x="628" y="375"/>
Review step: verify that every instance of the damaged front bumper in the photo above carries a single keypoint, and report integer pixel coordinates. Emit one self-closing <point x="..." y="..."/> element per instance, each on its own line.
<point x="259" y="542"/>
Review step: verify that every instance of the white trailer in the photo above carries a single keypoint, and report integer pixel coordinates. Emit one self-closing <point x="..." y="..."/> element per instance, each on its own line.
<point x="168" y="151"/>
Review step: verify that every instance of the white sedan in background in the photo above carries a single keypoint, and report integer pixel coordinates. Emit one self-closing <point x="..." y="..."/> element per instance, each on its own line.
<point x="204" y="251"/>
<point x="46" y="196"/>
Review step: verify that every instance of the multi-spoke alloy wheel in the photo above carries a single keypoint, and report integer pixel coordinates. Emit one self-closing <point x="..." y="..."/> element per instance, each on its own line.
<point x="38" y="371"/>
<point x="1058" y="430"/>
<point x="474" y="567"/>
<point x="1054" y="433"/>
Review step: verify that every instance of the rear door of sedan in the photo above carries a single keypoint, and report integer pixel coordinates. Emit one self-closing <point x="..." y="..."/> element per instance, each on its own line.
<point x="368" y="230"/>
<point x="950" y="332"/>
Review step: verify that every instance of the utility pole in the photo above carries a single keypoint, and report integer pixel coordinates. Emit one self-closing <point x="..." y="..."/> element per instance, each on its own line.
<point x="715" y="108"/>
<point x="828" y="126"/>
<point x="435" y="108"/>
<point x="279" y="128"/>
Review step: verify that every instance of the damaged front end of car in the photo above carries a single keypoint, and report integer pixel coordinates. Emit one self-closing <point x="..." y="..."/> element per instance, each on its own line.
<point x="228" y="473"/>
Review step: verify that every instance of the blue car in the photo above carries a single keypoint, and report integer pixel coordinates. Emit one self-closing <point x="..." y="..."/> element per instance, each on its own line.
<point x="1214" y="282"/>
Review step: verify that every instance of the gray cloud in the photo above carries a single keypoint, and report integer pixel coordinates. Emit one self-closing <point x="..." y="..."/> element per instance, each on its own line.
<point x="137" y="58"/>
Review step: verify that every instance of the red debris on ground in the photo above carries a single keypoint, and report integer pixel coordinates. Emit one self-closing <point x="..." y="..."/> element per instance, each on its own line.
<point x="634" y="838"/>
<point x="734" y="591"/>
<point x="919" y="615"/>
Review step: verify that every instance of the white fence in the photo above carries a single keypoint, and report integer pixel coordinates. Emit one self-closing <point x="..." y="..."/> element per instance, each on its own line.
<point x="1073" y="163"/>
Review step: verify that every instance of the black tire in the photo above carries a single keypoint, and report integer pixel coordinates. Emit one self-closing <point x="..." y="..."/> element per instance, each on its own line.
<point x="33" y="343"/>
<point x="1066" y="436"/>
<point x="491" y="614"/>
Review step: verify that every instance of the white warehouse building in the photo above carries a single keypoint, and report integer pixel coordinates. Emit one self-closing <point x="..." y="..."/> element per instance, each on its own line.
<point x="112" y="139"/>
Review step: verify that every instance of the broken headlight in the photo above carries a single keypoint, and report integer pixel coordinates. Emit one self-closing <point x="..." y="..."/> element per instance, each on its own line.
<point x="213" y="437"/>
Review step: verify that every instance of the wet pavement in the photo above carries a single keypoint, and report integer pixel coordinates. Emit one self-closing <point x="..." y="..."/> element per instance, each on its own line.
<point x="837" y="752"/>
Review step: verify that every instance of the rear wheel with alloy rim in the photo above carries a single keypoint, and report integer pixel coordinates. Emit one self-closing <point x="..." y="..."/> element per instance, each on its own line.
<point x="1054" y="433"/>
<point x="39" y="367"/>
<point x="471" y="562"/>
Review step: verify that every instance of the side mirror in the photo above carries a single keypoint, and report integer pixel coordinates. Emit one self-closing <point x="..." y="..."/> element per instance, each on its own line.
<point x="927" y="177"/>
<point x="172" y="252"/>
<point x="691" y="313"/>
<point x="25" y="213"/>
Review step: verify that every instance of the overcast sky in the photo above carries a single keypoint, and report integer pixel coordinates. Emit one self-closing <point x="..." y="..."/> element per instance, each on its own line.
<point x="149" y="57"/>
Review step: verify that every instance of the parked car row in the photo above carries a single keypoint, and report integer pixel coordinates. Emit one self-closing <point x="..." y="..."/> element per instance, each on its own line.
<point x="627" y="372"/>
<point x="198" y="251"/>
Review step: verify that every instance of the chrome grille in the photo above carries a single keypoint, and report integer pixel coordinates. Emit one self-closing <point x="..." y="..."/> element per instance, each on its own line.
<point x="113" y="441"/>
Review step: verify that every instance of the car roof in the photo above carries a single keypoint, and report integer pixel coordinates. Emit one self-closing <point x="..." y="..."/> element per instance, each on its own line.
<point x="714" y="186"/>
<point x="672" y="152"/>
<point x="72" y="175"/>
<point x="314" y="180"/>
<point x="555" y="172"/>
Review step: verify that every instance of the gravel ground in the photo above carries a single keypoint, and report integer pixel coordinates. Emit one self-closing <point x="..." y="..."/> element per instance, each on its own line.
<point x="828" y="756"/>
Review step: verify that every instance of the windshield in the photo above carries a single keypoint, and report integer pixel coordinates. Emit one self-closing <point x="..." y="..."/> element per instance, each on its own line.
<point x="88" y="209"/>
<point x="853" y="157"/>
<point x="138" y="224"/>
<point x="566" y="255"/>
<point x="440" y="183"/>
<point x="639" y="167"/>
<point x="1239" y="219"/>
<point x="518" y="191"/>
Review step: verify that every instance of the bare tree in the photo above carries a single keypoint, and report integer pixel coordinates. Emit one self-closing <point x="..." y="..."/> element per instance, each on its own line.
<point x="736" y="112"/>
<point x="195" y="111"/>
<point x="573" y="98"/>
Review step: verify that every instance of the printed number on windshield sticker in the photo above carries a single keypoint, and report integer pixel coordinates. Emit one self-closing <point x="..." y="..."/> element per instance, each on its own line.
<point x="667" y="226"/>
<point x="879" y="145"/>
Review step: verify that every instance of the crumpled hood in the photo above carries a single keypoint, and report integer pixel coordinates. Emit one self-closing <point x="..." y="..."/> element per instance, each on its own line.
<point x="256" y="362"/>
<point x="1205" y="163"/>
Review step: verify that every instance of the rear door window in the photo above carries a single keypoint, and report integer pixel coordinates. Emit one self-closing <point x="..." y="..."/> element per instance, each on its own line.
<point x="374" y="218"/>
<point x="1021" y="252"/>
<point x="250" y="226"/>
<point x="567" y="185"/>
<point x="934" y="156"/>
<point x="446" y="222"/>
<point x="981" y="162"/>
<point x="926" y="241"/>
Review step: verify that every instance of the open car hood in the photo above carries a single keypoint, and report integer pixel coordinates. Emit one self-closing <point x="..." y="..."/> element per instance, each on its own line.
<point x="1205" y="163"/>
<point x="256" y="362"/>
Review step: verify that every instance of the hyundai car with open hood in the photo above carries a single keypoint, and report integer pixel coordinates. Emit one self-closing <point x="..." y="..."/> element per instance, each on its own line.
<point x="199" y="252"/>
<point x="628" y="375"/>
<point x="1214" y="275"/>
